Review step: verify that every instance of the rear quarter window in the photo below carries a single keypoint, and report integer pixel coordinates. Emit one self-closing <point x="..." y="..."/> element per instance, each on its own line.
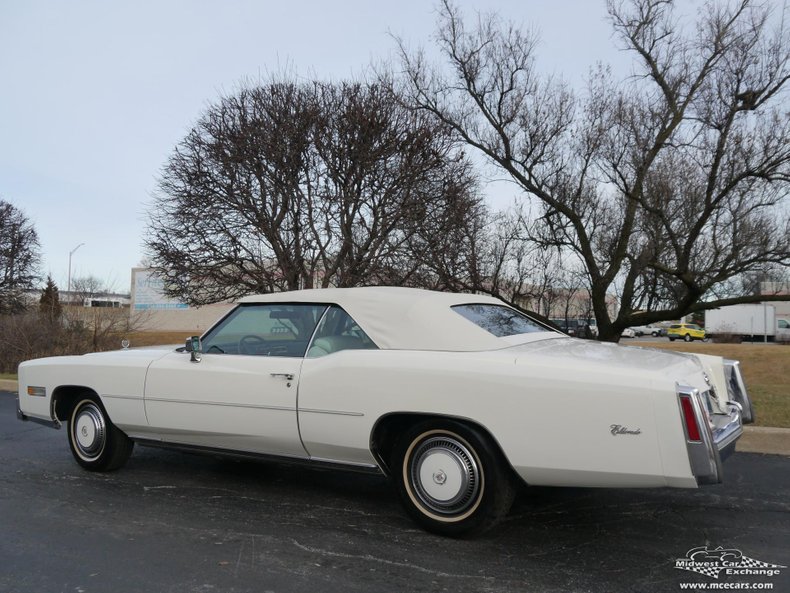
<point x="499" y="320"/>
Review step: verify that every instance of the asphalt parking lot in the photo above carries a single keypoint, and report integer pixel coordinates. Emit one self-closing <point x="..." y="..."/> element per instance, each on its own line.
<point x="175" y="522"/>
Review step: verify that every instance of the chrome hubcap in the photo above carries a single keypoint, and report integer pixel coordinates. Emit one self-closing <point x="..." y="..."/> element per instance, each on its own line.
<point x="89" y="431"/>
<point x="445" y="475"/>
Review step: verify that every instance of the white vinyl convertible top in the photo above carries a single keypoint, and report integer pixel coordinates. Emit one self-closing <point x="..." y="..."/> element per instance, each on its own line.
<point x="402" y="318"/>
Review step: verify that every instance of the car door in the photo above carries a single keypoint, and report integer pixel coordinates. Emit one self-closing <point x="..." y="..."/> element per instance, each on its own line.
<point x="241" y="395"/>
<point x="331" y="419"/>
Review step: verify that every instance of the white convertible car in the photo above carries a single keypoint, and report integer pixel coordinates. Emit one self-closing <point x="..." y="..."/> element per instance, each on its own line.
<point x="457" y="397"/>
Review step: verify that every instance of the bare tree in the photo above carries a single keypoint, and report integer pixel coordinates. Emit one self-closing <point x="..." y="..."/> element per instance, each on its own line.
<point x="667" y="185"/>
<point x="94" y="321"/>
<point x="55" y="329"/>
<point x="292" y="185"/>
<point x="86" y="287"/>
<point x="449" y="247"/>
<point x="19" y="258"/>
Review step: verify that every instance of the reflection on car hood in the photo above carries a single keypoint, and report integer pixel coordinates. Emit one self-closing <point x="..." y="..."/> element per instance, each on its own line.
<point x="131" y="357"/>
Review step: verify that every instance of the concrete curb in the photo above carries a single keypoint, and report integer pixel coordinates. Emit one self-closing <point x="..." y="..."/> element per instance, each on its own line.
<point x="764" y="439"/>
<point x="8" y="385"/>
<point x="755" y="439"/>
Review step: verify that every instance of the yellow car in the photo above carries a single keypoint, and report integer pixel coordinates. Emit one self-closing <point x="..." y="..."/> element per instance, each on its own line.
<point x="685" y="331"/>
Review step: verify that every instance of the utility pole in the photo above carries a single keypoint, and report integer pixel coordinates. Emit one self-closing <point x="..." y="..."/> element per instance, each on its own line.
<point x="69" y="281"/>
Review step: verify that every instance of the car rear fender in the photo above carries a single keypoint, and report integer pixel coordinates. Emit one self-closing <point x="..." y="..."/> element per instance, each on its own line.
<point x="389" y="427"/>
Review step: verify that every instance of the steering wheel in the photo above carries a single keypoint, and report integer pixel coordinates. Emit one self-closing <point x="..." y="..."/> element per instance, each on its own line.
<point x="250" y="344"/>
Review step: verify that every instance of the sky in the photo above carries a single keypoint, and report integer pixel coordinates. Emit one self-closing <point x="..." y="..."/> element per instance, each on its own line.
<point x="95" y="95"/>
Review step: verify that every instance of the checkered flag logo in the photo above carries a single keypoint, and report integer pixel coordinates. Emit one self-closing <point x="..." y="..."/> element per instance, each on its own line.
<point x="747" y="562"/>
<point x="708" y="571"/>
<point x="711" y="563"/>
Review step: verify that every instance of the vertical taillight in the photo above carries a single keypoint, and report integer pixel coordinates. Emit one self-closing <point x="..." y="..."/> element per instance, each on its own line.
<point x="692" y="428"/>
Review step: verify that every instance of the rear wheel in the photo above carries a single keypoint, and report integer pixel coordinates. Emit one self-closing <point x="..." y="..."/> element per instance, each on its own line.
<point x="451" y="478"/>
<point x="96" y="443"/>
<point x="671" y="339"/>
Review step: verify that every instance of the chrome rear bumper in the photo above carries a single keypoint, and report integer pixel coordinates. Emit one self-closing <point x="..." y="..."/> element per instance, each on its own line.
<point x="717" y="434"/>
<point x="727" y="428"/>
<point x="736" y="389"/>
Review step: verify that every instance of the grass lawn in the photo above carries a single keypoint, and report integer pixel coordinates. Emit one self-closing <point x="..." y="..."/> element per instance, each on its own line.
<point x="766" y="372"/>
<point x="9" y="376"/>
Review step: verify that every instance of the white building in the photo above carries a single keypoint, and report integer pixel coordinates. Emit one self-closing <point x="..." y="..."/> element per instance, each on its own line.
<point x="157" y="312"/>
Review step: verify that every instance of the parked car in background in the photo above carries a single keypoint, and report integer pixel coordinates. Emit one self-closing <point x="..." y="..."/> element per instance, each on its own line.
<point x="458" y="397"/>
<point x="686" y="332"/>
<point x="563" y="326"/>
<point x="582" y="328"/>
<point x="647" y="330"/>
<point x="628" y="333"/>
<point x="585" y="329"/>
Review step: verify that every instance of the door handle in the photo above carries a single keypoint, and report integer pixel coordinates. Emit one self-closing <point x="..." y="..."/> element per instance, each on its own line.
<point x="286" y="376"/>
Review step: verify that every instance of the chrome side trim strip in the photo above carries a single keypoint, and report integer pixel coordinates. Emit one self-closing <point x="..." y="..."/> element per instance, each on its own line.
<point x="349" y="463"/>
<point x="222" y="404"/>
<point x="335" y="412"/>
<point x="288" y="459"/>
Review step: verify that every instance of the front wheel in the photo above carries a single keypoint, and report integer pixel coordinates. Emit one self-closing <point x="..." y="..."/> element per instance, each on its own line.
<point x="451" y="478"/>
<point x="96" y="443"/>
<point x="687" y="338"/>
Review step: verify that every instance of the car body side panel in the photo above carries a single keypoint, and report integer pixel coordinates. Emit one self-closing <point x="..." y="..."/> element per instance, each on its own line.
<point x="233" y="402"/>
<point x="550" y="405"/>
<point x="553" y="423"/>
<point x="118" y="378"/>
<point x="672" y="442"/>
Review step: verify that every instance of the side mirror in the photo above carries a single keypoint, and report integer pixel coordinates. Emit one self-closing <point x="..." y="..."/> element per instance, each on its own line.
<point x="195" y="348"/>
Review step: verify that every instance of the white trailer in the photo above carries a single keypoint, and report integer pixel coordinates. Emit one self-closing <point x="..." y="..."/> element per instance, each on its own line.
<point x="756" y="322"/>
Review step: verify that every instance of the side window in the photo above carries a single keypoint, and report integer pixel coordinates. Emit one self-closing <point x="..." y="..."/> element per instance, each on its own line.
<point x="265" y="330"/>
<point x="500" y="320"/>
<point x="784" y="324"/>
<point x="338" y="331"/>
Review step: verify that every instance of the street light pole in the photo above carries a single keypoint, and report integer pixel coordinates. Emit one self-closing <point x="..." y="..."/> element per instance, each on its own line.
<point x="70" y="254"/>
